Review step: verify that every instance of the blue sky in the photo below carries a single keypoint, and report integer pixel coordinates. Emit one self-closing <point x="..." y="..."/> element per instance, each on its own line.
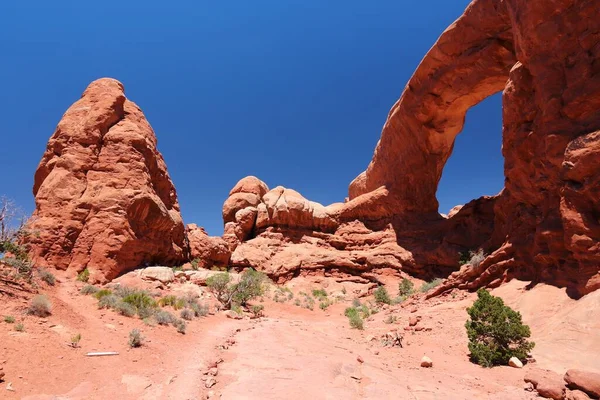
<point x="294" y="92"/>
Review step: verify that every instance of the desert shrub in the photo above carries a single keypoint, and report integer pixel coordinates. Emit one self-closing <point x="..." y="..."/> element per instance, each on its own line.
<point x="135" y="338"/>
<point x="164" y="317"/>
<point x="356" y="303"/>
<point x="257" y="310"/>
<point x="496" y="332"/>
<point x="20" y="327"/>
<point x="145" y="312"/>
<point x="307" y="301"/>
<point x="324" y="304"/>
<point x="180" y="325"/>
<point x="382" y="296"/>
<point x="166" y="301"/>
<point x="75" y="339"/>
<point x="464" y="257"/>
<point x="123" y="291"/>
<point x="391" y="319"/>
<point x="219" y="284"/>
<point x="9" y="319"/>
<point x="84" y="275"/>
<point x="187" y="314"/>
<point x="40" y="306"/>
<point x="47" y="277"/>
<point x="109" y="301"/>
<point x="473" y="258"/>
<point x="476" y="258"/>
<point x="354" y="318"/>
<point x="23" y="268"/>
<point x="430" y="285"/>
<point x="405" y="288"/>
<point x="140" y="299"/>
<point x="102" y="293"/>
<point x="200" y="310"/>
<point x="195" y="264"/>
<point x="237" y="309"/>
<point x="89" y="289"/>
<point x="319" y="294"/>
<point x="125" y="309"/>
<point x="251" y="285"/>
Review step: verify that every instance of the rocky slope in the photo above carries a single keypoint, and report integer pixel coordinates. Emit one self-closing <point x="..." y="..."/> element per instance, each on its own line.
<point x="104" y="199"/>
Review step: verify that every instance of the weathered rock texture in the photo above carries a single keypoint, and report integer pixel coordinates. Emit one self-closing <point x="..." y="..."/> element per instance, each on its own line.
<point x="543" y="226"/>
<point x="104" y="199"/>
<point x="207" y="251"/>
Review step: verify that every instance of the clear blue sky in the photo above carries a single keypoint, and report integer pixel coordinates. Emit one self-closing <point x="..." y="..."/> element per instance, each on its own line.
<point x="294" y="92"/>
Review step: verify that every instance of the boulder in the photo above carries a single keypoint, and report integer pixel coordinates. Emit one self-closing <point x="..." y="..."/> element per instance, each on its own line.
<point x="162" y="274"/>
<point x="207" y="250"/>
<point x="103" y="197"/>
<point x="576" y="395"/>
<point x="548" y="384"/>
<point x="250" y="184"/>
<point x="426" y="362"/>
<point x="588" y="382"/>
<point x="515" y="362"/>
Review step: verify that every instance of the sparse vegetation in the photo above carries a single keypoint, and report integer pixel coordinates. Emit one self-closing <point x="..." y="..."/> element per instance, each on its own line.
<point x="496" y="332"/>
<point x="164" y="317"/>
<point x="20" y="327"/>
<point x="474" y="258"/>
<point x="354" y="318"/>
<point x="325" y="303"/>
<point x="406" y="288"/>
<point x="140" y="299"/>
<point x="430" y="285"/>
<point x="13" y="228"/>
<point x="195" y="264"/>
<point x="319" y="294"/>
<point x="47" y="277"/>
<point x="307" y="302"/>
<point x="108" y="302"/>
<point x="251" y="285"/>
<point x="257" y="310"/>
<point x="102" y="293"/>
<point x="200" y="310"/>
<point x="173" y="301"/>
<point x="89" y="289"/>
<point x="9" y="319"/>
<point x="283" y="294"/>
<point x="40" y="306"/>
<point x="180" y="325"/>
<point x="187" y="314"/>
<point x="135" y="338"/>
<point x="125" y="309"/>
<point x="84" y="276"/>
<point x="75" y="339"/>
<point x="382" y="296"/>
<point x="391" y="319"/>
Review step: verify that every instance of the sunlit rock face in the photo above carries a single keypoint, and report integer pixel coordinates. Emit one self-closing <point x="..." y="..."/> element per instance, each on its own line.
<point x="104" y="199"/>
<point x="543" y="226"/>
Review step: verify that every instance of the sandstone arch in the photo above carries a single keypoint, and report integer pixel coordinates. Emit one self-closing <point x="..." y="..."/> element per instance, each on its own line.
<point x="469" y="62"/>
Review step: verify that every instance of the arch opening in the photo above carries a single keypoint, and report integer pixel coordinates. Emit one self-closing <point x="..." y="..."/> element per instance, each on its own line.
<point x="475" y="167"/>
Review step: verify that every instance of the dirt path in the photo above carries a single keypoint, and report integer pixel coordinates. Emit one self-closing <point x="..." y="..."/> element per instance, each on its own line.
<point x="316" y="357"/>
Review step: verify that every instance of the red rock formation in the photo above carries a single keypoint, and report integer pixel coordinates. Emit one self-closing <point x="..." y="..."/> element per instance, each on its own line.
<point x="544" y="225"/>
<point x="209" y="251"/>
<point x="104" y="199"/>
